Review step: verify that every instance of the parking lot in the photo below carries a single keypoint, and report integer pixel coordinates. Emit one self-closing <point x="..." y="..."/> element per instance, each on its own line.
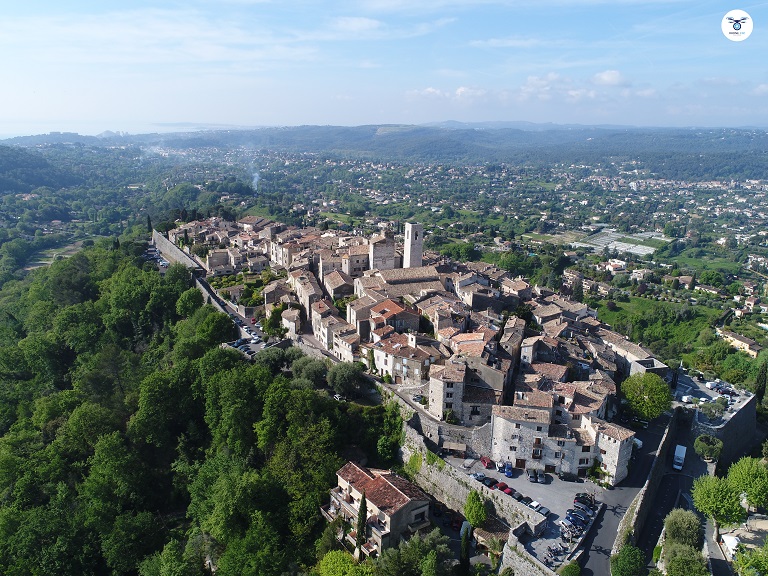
<point x="555" y="494"/>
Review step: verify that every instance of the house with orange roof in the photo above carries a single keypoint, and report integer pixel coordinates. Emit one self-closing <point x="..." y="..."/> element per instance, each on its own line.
<point x="396" y="508"/>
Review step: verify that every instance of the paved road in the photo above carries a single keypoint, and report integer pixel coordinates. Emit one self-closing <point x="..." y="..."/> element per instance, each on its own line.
<point x="671" y="487"/>
<point x="599" y="542"/>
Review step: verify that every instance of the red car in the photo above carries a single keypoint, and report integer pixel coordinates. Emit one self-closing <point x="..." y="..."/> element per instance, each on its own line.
<point x="487" y="462"/>
<point x="508" y="491"/>
<point x="501" y="486"/>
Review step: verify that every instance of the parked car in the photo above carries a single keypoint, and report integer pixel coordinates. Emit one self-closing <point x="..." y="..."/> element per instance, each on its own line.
<point x="479" y="476"/>
<point x="583" y="516"/>
<point x="487" y="462"/>
<point x="541" y="478"/>
<point x="509" y="470"/>
<point x="568" y="477"/>
<point x="491" y="483"/>
<point x="575" y="520"/>
<point x="590" y="499"/>
<point x="535" y="505"/>
<point x="532" y="476"/>
<point x="544" y="511"/>
<point x="417" y="398"/>
<point x="501" y="486"/>
<point x="583" y="508"/>
<point x="526" y="500"/>
<point x="508" y="491"/>
<point x="517" y="495"/>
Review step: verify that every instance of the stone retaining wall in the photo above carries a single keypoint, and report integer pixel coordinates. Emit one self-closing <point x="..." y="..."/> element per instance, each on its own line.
<point x="517" y="558"/>
<point x="637" y="512"/>
<point x="451" y="486"/>
<point x="739" y="433"/>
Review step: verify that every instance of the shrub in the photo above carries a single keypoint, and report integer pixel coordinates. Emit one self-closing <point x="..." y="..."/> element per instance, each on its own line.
<point x="683" y="527"/>
<point x="708" y="447"/>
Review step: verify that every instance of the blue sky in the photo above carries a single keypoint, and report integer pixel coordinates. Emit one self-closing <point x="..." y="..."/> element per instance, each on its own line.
<point x="145" y="65"/>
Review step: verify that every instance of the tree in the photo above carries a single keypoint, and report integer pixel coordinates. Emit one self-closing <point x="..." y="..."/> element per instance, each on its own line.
<point x="337" y="563"/>
<point x="719" y="500"/>
<point x="464" y="565"/>
<point x="578" y="291"/>
<point x="683" y="527"/>
<point x="628" y="562"/>
<point x="346" y="378"/>
<point x="708" y="447"/>
<point x="750" y="476"/>
<point x="474" y="509"/>
<point x="681" y="560"/>
<point x="362" y="523"/>
<point x="760" y="381"/>
<point x="647" y="394"/>
<point x="189" y="302"/>
<point x="571" y="569"/>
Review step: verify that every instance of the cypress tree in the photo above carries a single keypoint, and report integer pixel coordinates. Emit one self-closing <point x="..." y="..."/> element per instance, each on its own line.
<point x="362" y="516"/>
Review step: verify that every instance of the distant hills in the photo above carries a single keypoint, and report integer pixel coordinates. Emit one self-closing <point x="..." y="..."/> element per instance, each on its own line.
<point x="671" y="152"/>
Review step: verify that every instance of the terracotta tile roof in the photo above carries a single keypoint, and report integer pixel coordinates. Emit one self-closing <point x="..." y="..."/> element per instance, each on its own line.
<point x="476" y="394"/>
<point x="554" y="372"/>
<point x="612" y="430"/>
<point x="387" y="309"/>
<point x="516" y="414"/>
<point x="386" y="491"/>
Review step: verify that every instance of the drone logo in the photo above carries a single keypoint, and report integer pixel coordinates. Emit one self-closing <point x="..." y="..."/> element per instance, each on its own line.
<point x="736" y="25"/>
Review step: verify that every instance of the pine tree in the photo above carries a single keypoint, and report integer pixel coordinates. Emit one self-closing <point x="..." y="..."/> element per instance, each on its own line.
<point x="760" y="381"/>
<point x="362" y="517"/>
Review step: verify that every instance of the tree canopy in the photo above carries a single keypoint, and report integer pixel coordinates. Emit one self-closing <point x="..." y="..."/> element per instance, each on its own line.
<point x="647" y="394"/>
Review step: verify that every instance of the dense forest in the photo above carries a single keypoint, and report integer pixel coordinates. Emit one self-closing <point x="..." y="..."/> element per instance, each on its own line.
<point x="132" y="443"/>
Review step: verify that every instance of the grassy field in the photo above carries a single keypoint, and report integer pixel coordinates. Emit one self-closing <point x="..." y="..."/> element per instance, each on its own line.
<point x="708" y="263"/>
<point x="650" y="242"/>
<point x="566" y="238"/>
<point x="638" y="305"/>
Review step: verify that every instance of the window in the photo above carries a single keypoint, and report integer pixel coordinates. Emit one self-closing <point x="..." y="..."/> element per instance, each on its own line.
<point x="583" y="461"/>
<point x="586" y="448"/>
<point x="449" y="385"/>
<point x="449" y="405"/>
<point x="558" y="454"/>
<point x="449" y="395"/>
<point x="475" y="410"/>
<point x="513" y="448"/>
<point x="538" y="428"/>
<point x="561" y="442"/>
<point x="602" y="451"/>
<point x="420" y="516"/>
<point x="536" y="453"/>
<point x="559" y="412"/>
<point x="576" y="417"/>
<point x="517" y="425"/>
<point x="537" y="441"/>
<point x="561" y="399"/>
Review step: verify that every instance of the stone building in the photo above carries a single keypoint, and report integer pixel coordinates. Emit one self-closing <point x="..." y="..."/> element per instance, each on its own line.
<point x="396" y="509"/>
<point x="414" y="245"/>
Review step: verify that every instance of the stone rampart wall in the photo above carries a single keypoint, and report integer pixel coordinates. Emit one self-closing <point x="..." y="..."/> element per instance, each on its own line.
<point x="637" y="512"/>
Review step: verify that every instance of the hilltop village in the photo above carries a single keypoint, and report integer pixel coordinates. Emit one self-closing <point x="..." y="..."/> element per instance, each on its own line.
<point x="445" y="333"/>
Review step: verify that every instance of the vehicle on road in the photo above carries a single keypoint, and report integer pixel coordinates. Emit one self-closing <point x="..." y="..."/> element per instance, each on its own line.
<point x="417" y="398"/>
<point x="679" y="458"/>
<point x="532" y="476"/>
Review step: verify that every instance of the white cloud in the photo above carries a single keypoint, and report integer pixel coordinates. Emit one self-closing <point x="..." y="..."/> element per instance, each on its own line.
<point x="760" y="90"/>
<point x="540" y="87"/>
<point x="356" y="24"/>
<point x="578" y="94"/>
<point x="609" y="78"/>
<point x="507" y="43"/>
